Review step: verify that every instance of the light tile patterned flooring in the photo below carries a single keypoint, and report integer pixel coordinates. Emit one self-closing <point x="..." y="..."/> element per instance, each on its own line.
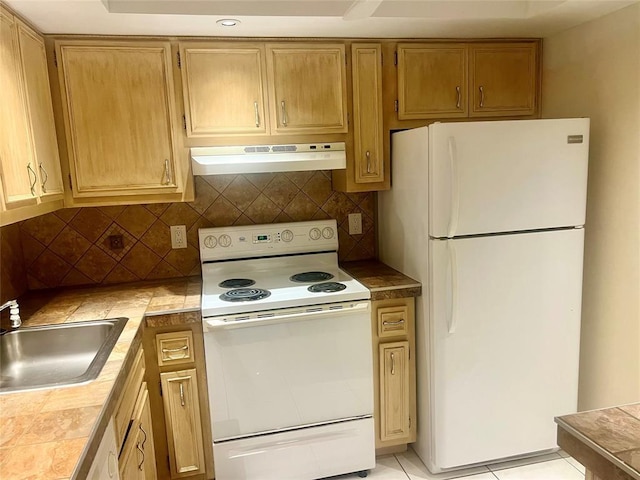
<point x="407" y="466"/>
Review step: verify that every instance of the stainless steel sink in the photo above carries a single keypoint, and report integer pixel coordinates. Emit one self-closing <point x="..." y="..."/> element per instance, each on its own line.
<point x="56" y="355"/>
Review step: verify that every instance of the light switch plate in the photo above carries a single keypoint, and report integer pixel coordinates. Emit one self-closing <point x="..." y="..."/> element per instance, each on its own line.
<point x="355" y="224"/>
<point x="178" y="236"/>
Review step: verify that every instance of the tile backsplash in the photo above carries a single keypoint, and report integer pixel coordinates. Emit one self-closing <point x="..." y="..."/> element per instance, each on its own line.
<point x="72" y="246"/>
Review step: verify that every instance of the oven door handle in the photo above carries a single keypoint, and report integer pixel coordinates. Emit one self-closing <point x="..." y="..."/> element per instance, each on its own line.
<point x="291" y="316"/>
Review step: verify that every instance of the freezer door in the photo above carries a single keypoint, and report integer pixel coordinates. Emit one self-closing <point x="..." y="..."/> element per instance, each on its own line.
<point x="505" y="332"/>
<point x="507" y="176"/>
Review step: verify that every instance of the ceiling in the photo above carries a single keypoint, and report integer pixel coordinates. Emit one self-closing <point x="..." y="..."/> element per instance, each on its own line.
<point x="315" y="18"/>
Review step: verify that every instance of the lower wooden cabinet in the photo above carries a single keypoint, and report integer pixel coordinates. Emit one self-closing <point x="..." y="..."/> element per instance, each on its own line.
<point x="133" y="429"/>
<point x="137" y="460"/>
<point x="184" y="426"/>
<point x="179" y="402"/>
<point x="393" y="331"/>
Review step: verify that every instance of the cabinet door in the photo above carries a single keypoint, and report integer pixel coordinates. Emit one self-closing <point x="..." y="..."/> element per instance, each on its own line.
<point x="145" y="438"/>
<point x="137" y="461"/>
<point x="432" y="81"/>
<point x="224" y="89"/>
<point x="504" y="79"/>
<point x="367" y="113"/>
<point x="307" y="88"/>
<point x="118" y="105"/>
<point x="38" y="95"/>
<point x="394" y="391"/>
<point x="16" y="161"/>
<point x="184" y="428"/>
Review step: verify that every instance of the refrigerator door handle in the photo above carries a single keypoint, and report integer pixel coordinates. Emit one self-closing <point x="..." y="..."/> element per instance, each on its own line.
<point x="453" y="264"/>
<point x="453" y="189"/>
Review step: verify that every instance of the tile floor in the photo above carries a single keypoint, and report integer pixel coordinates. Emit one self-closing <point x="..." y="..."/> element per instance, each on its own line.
<point x="407" y="466"/>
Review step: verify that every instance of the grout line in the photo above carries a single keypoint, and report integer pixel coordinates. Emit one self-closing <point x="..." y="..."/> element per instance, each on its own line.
<point x="566" y="459"/>
<point x="401" y="466"/>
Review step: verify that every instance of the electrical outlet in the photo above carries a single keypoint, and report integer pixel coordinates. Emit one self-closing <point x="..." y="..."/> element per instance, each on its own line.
<point x="355" y="224"/>
<point x="178" y="236"/>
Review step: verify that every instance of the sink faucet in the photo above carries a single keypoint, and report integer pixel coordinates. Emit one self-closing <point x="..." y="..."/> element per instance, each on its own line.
<point x="14" y="313"/>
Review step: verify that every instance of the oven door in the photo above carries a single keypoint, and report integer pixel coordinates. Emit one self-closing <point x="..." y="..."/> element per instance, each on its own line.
<point x="288" y="369"/>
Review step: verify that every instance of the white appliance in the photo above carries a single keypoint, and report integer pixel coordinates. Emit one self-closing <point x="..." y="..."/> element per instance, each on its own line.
<point x="490" y="216"/>
<point x="287" y="339"/>
<point x="268" y="158"/>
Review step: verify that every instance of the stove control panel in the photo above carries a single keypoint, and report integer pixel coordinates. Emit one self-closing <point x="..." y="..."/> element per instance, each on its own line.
<point x="247" y="241"/>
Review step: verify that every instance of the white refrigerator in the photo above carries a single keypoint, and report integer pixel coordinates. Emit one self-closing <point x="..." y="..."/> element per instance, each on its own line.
<point x="489" y="216"/>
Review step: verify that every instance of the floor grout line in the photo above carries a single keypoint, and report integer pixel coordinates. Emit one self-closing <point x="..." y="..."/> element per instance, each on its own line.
<point x="566" y="459"/>
<point x="395" y="455"/>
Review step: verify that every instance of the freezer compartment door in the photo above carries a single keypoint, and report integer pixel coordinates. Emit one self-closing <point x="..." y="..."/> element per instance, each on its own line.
<point x="505" y="334"/>
<point x="507" y="176"/>
<point x="305" y="454"/>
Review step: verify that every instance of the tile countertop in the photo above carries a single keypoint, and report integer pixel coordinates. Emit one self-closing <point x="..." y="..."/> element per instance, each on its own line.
<point x="606" y="441"/>
<point x="48" y="434"/>
<point x="383" y="281"/>
<point x="54" y="434"/>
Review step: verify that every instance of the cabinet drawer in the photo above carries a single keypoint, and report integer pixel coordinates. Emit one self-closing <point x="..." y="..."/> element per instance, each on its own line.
<point x="393" y="321"/>
<point x="174" y="348"/>
<point x="124" y="411"/>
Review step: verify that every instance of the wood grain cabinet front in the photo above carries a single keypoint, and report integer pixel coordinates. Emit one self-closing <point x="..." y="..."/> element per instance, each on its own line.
<point x="137" y="460"/>
<point x="118" y="108"/>
<point x="224" y="88"/>
<point x="393" y="332"/>
<point x="180" y="403"/>
<point x="184" y="427"/>
<point x="504" y="79"/>
<point x="462" y="80"/>
<point x="432" y="81"/>
<point x="29" y="163"/>
<point x="307" y="88"/>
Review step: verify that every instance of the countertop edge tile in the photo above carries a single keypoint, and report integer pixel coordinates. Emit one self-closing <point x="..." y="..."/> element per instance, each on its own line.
<point x="571" y="426"/>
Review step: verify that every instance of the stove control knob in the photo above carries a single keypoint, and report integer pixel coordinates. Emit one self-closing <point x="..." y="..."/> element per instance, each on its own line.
<point x="286" y="235"/>
<point x="224" y="240"/>
<point x="315" y="233"/>
<point x="327" y="232"/>
<point x="210" y="241"/>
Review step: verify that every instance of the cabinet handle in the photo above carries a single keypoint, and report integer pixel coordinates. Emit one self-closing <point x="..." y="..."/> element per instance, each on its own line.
<point x="397" y="322"/>
<point x="167" y="172"/>
<point x="284" y="113"/>
<point x="145" y="437"/>
<point x="368" y="155"/>
<point x="255" y="109"/>
<point x="46" y="177"/>
<point x="175" y="350"/>
<point x="459" y="97"/>
<point x="32" y="184"/>
<point x="112" y="464"/>
<point x="140" y="465"/>
<point x="481" y="96"/>
<point x="181" y="395"/>
<point x="393" y="364"/>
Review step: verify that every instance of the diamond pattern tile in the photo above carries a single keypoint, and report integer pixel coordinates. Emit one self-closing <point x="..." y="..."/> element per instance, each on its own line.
<point x="71" y="247"/>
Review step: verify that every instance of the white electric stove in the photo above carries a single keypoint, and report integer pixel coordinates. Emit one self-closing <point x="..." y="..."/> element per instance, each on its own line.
<point x="287" y="338"/>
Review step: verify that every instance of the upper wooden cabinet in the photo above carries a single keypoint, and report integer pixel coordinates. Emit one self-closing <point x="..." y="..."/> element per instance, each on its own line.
<point x="442" y="80"/>
<point x="224" y="88"/>
<point x="249" y="89"/>
<point x="367" y="113"/>
<point x="307" y="88"/>
<point x="432" y="81"/>
<point x="504" y="79"/>
<point x="118" y="106"/>
<point x="29" y="161"/>
<point x="18" y="166"/>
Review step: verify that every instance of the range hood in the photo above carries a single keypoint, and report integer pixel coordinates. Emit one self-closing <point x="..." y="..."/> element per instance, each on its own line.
<point x="268" y="158"/>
